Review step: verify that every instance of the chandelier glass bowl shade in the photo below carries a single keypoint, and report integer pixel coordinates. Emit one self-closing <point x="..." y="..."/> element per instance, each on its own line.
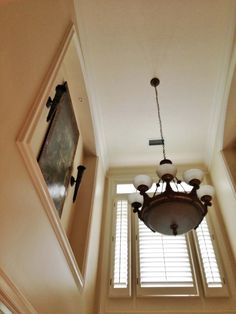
<point x="174" y="210"/>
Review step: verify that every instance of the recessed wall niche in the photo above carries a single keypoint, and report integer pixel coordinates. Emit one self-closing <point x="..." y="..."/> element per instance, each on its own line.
<point x="72" y="228"/>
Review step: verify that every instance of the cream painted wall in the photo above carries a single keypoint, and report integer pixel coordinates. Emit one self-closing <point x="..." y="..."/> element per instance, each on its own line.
<point x="223" y="168"/>
<point x="226" y="197"/>
<point x="229" y="144"/>
<point x="31" y="257"/>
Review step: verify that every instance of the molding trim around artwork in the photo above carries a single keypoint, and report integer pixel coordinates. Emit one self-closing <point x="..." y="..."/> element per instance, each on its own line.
<point x="24" y="143"/>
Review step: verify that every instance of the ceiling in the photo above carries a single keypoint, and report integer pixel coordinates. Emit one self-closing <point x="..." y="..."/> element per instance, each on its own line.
<point x="187" y="44"/>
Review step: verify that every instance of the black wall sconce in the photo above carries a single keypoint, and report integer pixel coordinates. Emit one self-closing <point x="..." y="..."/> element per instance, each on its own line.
<point x="52" y="103"/>
<point x="77" y="181"/>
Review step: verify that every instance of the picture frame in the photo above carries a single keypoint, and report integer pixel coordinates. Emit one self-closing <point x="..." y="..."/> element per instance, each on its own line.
<point x="30" y="139"/>
<point x="58" y="149"/>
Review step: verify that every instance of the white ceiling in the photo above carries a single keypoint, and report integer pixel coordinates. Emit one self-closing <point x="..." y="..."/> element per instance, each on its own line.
<point x="186" y="43"/>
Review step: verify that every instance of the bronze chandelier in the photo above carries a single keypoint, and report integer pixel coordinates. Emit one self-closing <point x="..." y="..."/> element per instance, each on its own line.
<point x="174" y="210"/>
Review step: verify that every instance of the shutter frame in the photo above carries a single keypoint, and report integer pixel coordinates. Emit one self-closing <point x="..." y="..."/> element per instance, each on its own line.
<point x="222" y="291"/>
<point x="164" y="290"/>
<point x="118" y="291"/>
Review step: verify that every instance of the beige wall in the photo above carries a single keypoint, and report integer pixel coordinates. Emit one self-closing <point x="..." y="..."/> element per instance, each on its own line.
<point x="31" y="257"/>
<point x="223" y="167"/>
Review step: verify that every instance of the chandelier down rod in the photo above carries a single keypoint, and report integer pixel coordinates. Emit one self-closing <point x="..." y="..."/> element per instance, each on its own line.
<point x="155" y="82"/>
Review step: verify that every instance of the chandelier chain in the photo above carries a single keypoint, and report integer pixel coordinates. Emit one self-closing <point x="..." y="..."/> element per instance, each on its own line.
<point x="160" y="123"/>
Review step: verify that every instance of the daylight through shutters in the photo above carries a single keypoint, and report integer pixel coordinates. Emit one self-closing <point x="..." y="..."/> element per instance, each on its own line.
<point x="163" y="260"/>
<point x="120" y="271"/>
<point x="165" y="265"/>
<point x="210" y="266"/>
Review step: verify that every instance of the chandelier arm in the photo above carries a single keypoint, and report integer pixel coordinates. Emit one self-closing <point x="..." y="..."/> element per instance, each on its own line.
<point x="157" y="185"/>
<point x="168" y="188"/>
<point x="160" y="123"/>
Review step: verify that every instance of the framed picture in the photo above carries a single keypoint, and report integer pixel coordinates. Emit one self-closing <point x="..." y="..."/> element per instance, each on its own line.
<point x="57" y="153"/>
<point x="42" y="163"/>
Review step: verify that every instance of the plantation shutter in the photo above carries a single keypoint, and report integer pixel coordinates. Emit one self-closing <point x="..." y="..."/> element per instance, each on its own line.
<point x="120" y="272"/>
<point x="214" y="283"/>
<point x="165" y="264"/>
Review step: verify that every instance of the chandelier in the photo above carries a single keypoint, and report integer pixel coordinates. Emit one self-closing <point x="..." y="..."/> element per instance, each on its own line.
<point x="173" y="210"/>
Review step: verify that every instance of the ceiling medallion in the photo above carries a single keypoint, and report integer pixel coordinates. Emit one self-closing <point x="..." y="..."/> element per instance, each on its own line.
<point x="171" y="210"/>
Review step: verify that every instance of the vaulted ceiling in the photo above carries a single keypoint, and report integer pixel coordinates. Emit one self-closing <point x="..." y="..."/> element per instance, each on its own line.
<point x="187" y="44"/>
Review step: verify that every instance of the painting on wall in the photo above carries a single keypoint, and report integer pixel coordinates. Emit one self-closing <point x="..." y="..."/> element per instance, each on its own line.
<point x="57" y="153"/>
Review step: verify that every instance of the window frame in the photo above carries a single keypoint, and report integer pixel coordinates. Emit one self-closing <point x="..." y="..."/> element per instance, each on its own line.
<point x="211" y="291"/>
<point x="119" y="292"/>
<point x="200" y="286"/>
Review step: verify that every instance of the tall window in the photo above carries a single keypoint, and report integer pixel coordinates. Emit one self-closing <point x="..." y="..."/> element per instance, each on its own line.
<point x="164" y="264"/>
<point x="120" y="270"/>
<point x="120" y="257"/>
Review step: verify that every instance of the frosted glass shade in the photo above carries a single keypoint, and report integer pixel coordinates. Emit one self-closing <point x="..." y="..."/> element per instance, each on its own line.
<point x="205" y="190"/>
<point x="191" y="174"/>
<point x="135" y="198"/>
<point x="142" y="179"/>
<point x="166" y="169"/>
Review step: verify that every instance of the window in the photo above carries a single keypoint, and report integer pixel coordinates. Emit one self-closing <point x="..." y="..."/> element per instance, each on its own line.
<point x="164" y="264"/>
<point x="120" y="261"/>
<point x="211" y="269"/>
<point x="120" y="274"/>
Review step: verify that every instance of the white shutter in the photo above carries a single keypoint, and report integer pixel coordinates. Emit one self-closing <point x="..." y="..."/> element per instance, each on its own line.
<point x="165" y="264"/>
<point x="120" y="272"/>
<point x="213" y="281"/>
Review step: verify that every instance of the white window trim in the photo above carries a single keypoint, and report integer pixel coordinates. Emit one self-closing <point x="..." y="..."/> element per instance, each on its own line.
<point x="164" y="292"/>
<point x="211" y="291"/>
<point x="119" y="292"/>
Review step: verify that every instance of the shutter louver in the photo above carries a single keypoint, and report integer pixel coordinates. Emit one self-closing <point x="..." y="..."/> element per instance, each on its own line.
<point x="209" y="261"/>
<point x="164" y="261"/>
<point x="164" y="264"/>
<point x="120" y="271"/>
